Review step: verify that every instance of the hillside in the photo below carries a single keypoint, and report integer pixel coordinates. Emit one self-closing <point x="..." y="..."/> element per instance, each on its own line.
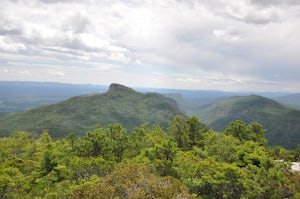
<point x="292" y="100"/>
<point x="191" y="102"/>
<point x="282" y="124"/>
<point x="80" y="114"/>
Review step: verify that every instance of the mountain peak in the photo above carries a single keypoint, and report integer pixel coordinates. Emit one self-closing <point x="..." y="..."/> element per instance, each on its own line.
<point x="80" y="114"/>
<point x="119" y="88"/>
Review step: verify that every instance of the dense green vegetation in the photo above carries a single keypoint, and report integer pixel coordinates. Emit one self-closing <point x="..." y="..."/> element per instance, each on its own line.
<point x="186" y="161"/>
<point x="80" y="114"/>
<point x="282" y="123"/>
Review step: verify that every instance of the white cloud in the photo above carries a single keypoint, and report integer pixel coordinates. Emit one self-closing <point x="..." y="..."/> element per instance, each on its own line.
<point x="10" y="46"/>
<point x="241" y="10"/>
<point x="138" y="61"/>
<point x="4" y="70"/>
<point x="245" y="41"/>
<point x="24" y="72"/>
<point x="105" y="67"/>
<point x="57" y="73"/>
<point x="226" y="35"/>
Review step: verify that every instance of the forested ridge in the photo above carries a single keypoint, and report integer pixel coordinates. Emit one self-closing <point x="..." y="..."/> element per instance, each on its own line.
<point x="188" y="160"/>
<point x="80" y="114"/>
<point x="282" y="123"/>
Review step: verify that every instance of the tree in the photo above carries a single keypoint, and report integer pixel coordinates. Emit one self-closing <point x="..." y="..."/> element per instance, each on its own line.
<point x="93" y="188"/>
<point x="137" y="141"/>
<point x="187" y="132"/>
<point x="195" y="131"/>
<point x="45" y="140"/>
<point x="208" y="178"/>
<point x="160" y="151"/>
<point x="71" y="138"/>
<point x="251" y="153"/>
<point x="136" y="181"/>
<point x="237" y="129"/>
<point x="177" y="131"/>
<point x="221" y="147"/>
<point x="85" y="167"/>
<point x="12" y="182"/>
<point x="257" y="133"/>
<point x="253" y="131"/>
<point x="117" y="140"/>
<point x="262" y="183"/>
<point x="48" y="162"/>
<point x="264" y="178"/>
<point x="94" y="143"/>
<point x="108" y="163"/>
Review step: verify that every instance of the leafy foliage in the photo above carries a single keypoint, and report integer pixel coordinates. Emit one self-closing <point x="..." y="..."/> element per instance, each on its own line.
<point x="187" y="161"/>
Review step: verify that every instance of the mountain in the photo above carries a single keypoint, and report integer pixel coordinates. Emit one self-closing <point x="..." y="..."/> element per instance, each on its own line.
<point x="191" y="102"/>
<point x="80" y="114"/>
<point x="282" y="123"/>
<point x="18" y="96"/>
<point x="292" y="100"/>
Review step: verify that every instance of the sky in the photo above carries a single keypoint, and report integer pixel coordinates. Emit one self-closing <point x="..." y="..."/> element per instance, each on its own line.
<point x="230" y="45"/>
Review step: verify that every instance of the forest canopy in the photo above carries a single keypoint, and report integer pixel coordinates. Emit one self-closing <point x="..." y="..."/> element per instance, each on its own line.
<point x="188" y="160"/>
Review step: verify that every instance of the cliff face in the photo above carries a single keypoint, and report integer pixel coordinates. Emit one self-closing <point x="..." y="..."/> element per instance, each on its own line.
<point x="119" y="88"/>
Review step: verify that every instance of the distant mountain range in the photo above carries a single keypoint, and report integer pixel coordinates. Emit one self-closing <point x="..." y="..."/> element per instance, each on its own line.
<point x="93" y="105"/>
<point x="292" y="100"/>
<point x="80" y="114"/>
<point x="18" y="96"/>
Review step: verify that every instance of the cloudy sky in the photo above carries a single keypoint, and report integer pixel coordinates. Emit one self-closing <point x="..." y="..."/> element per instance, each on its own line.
<point x="251" y="45"/>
